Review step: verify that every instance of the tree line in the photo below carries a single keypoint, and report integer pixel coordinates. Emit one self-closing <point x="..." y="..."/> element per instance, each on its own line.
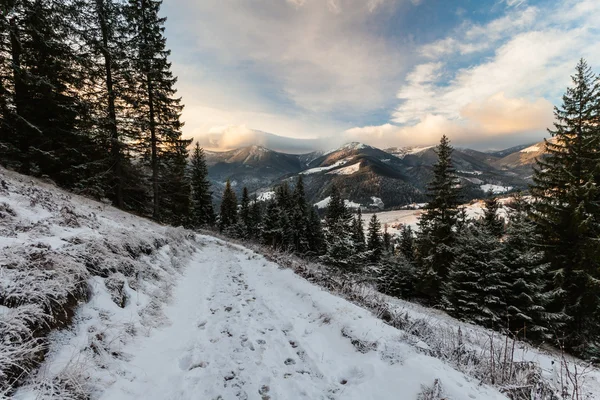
<point x="88" y="100"/>
<point x="532" y="272"/>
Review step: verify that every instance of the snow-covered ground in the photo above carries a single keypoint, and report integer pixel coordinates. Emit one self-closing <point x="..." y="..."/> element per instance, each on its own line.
<point x="496" y="189"/>
<point x="349" y="170"/>
<point x="325" y="202"/>
<point x="327" y="168"/>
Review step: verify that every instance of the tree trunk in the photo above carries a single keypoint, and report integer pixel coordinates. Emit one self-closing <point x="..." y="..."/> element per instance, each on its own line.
<point x="20" y="98"/>
<point x="112" y="115"/>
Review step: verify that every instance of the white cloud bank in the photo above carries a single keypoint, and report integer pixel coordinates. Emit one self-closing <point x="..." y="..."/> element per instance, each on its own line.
<point x="505" y="97"/>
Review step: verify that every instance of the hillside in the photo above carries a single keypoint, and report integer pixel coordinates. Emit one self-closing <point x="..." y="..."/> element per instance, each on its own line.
<point x="368" y="176"/>
<point x="118" y="307"/>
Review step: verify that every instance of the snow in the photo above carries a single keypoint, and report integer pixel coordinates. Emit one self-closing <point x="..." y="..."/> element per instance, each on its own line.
<point x="321" y="169"/>
<point x="531" y="149"/>
<point x="266" y="196"/>
<point x="377" y="202"/>
<point x="325" y="202"/>
<point x="241" y="327"/>
<point x="349" y="146"/>
<point x="496" y="189"/>
<point x="470" y="172"/>
<point x="349" y="170"/>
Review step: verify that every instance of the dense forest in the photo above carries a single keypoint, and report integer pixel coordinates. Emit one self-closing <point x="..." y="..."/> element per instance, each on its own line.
<point x="88" y="101"/>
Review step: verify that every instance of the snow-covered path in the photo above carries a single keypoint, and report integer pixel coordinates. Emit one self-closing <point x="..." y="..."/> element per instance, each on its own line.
<point x="242" y="328"/>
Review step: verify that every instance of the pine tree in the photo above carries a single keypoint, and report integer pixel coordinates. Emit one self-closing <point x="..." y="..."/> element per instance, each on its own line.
<point x="255" y="219"/>
<point x="300" y="218"/>
<point x="228" y="215"/>
<point x="158" y="111"/>
<point x="567" y="209"/>
<point x="526" y="276"/>
<point x="202" y="207"/>
<point x="491" y="219"/>
<point x="358" y="233"/>
<point x="387" y="240"/>
<point x="245" y="217"/>
<point x="315" y="235"/>
<point x="407" y="243"/>
<point x="338" y="234"/>
<point x="397" y="277"/>
<point x="374" y="239"/>
<point x="476" y="278"/>
<point x="436" y="237"/>
<point x="271" y="229"/>
<point x="176" y="204"/>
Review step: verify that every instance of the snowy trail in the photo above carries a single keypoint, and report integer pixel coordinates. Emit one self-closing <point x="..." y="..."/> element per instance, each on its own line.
<point x="241" y="328"/>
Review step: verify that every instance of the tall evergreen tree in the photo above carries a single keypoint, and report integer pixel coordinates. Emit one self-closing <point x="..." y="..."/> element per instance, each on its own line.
<point x="476" y="278"/>
<point x="374" y="239"/>
<point x="158" y="110"/>
<point x="245" y="217"/>
<point x="202" y="207"/>
<point x="407" y="243"/>
<point x="271" y="229"/>
<point x="338" y="234"/>
<point x="300" y="218"/>
<point x="526" y="297"/>
<point x="228" y="215"/>
<point x="358" y="233"/>
<point x="255" y="218"/>
<point x="491" y="219"/>
<point x="315" y="236"/>
<point x="567" y="209"/>
<point x="176" y="199"/>
<point x="436" y="237"/>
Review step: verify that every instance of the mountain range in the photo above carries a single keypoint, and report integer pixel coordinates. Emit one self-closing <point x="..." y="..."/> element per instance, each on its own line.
<point x="371" y="177"/>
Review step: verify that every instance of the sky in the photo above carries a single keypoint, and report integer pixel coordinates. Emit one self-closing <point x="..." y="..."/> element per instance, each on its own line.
<point x="299" y="75"/>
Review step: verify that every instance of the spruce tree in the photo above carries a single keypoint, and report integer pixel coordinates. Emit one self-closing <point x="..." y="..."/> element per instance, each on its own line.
<point x="374" y="239"/>
<point x="300" y="218"/>
<point x="491" y="219"/>
<point x="407" y="243"/>
<point x="315" y="235"/>
<point x="202" y="207"/>
<point x="358" y="233"/>
<point x="255" y="218"/>
<point x="175" y="205"/>
<point x="526" y="277"/>
<point x="271" y="228"/>
<point x="477" y="287"/>
<point x="245" y="217"/>
<point x="436" y="236"/>
<point x="153" y="96"/>
<point x="397" y="277"/>
<point x="228" y="215"/>
<point x="567" y="209"/>
<point x="338" y="234"/>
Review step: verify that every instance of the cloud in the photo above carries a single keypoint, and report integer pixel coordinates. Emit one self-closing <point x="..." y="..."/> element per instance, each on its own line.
<point x="229" y="137"/>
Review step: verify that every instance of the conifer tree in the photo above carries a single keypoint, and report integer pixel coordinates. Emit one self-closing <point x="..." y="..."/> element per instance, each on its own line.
<point x="271" y="229"/>
<point x="245" y="217"/>
<point x="358" y="233"/>
<point x="407" y="243"/>
<point x="255" y="218"/>
<point x="491" y="219"/>
<point x="386" y="239"/>
<point x="526" y="277"/>
<point x="340" y="249"/>
<point x="567" y="209"/>
<point x="176" y="199"/>
<point x="300" y="218"/>
<point x="228" y="215"/>
<point x="397" y="277"/>
<point x="436" y="236"/>
<point x="202" y="207"/>
<point x="315" y="235"/>
<point x="476" y="278"/>
<point x="153" y="96"/>
<point x="374" y="239"/>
